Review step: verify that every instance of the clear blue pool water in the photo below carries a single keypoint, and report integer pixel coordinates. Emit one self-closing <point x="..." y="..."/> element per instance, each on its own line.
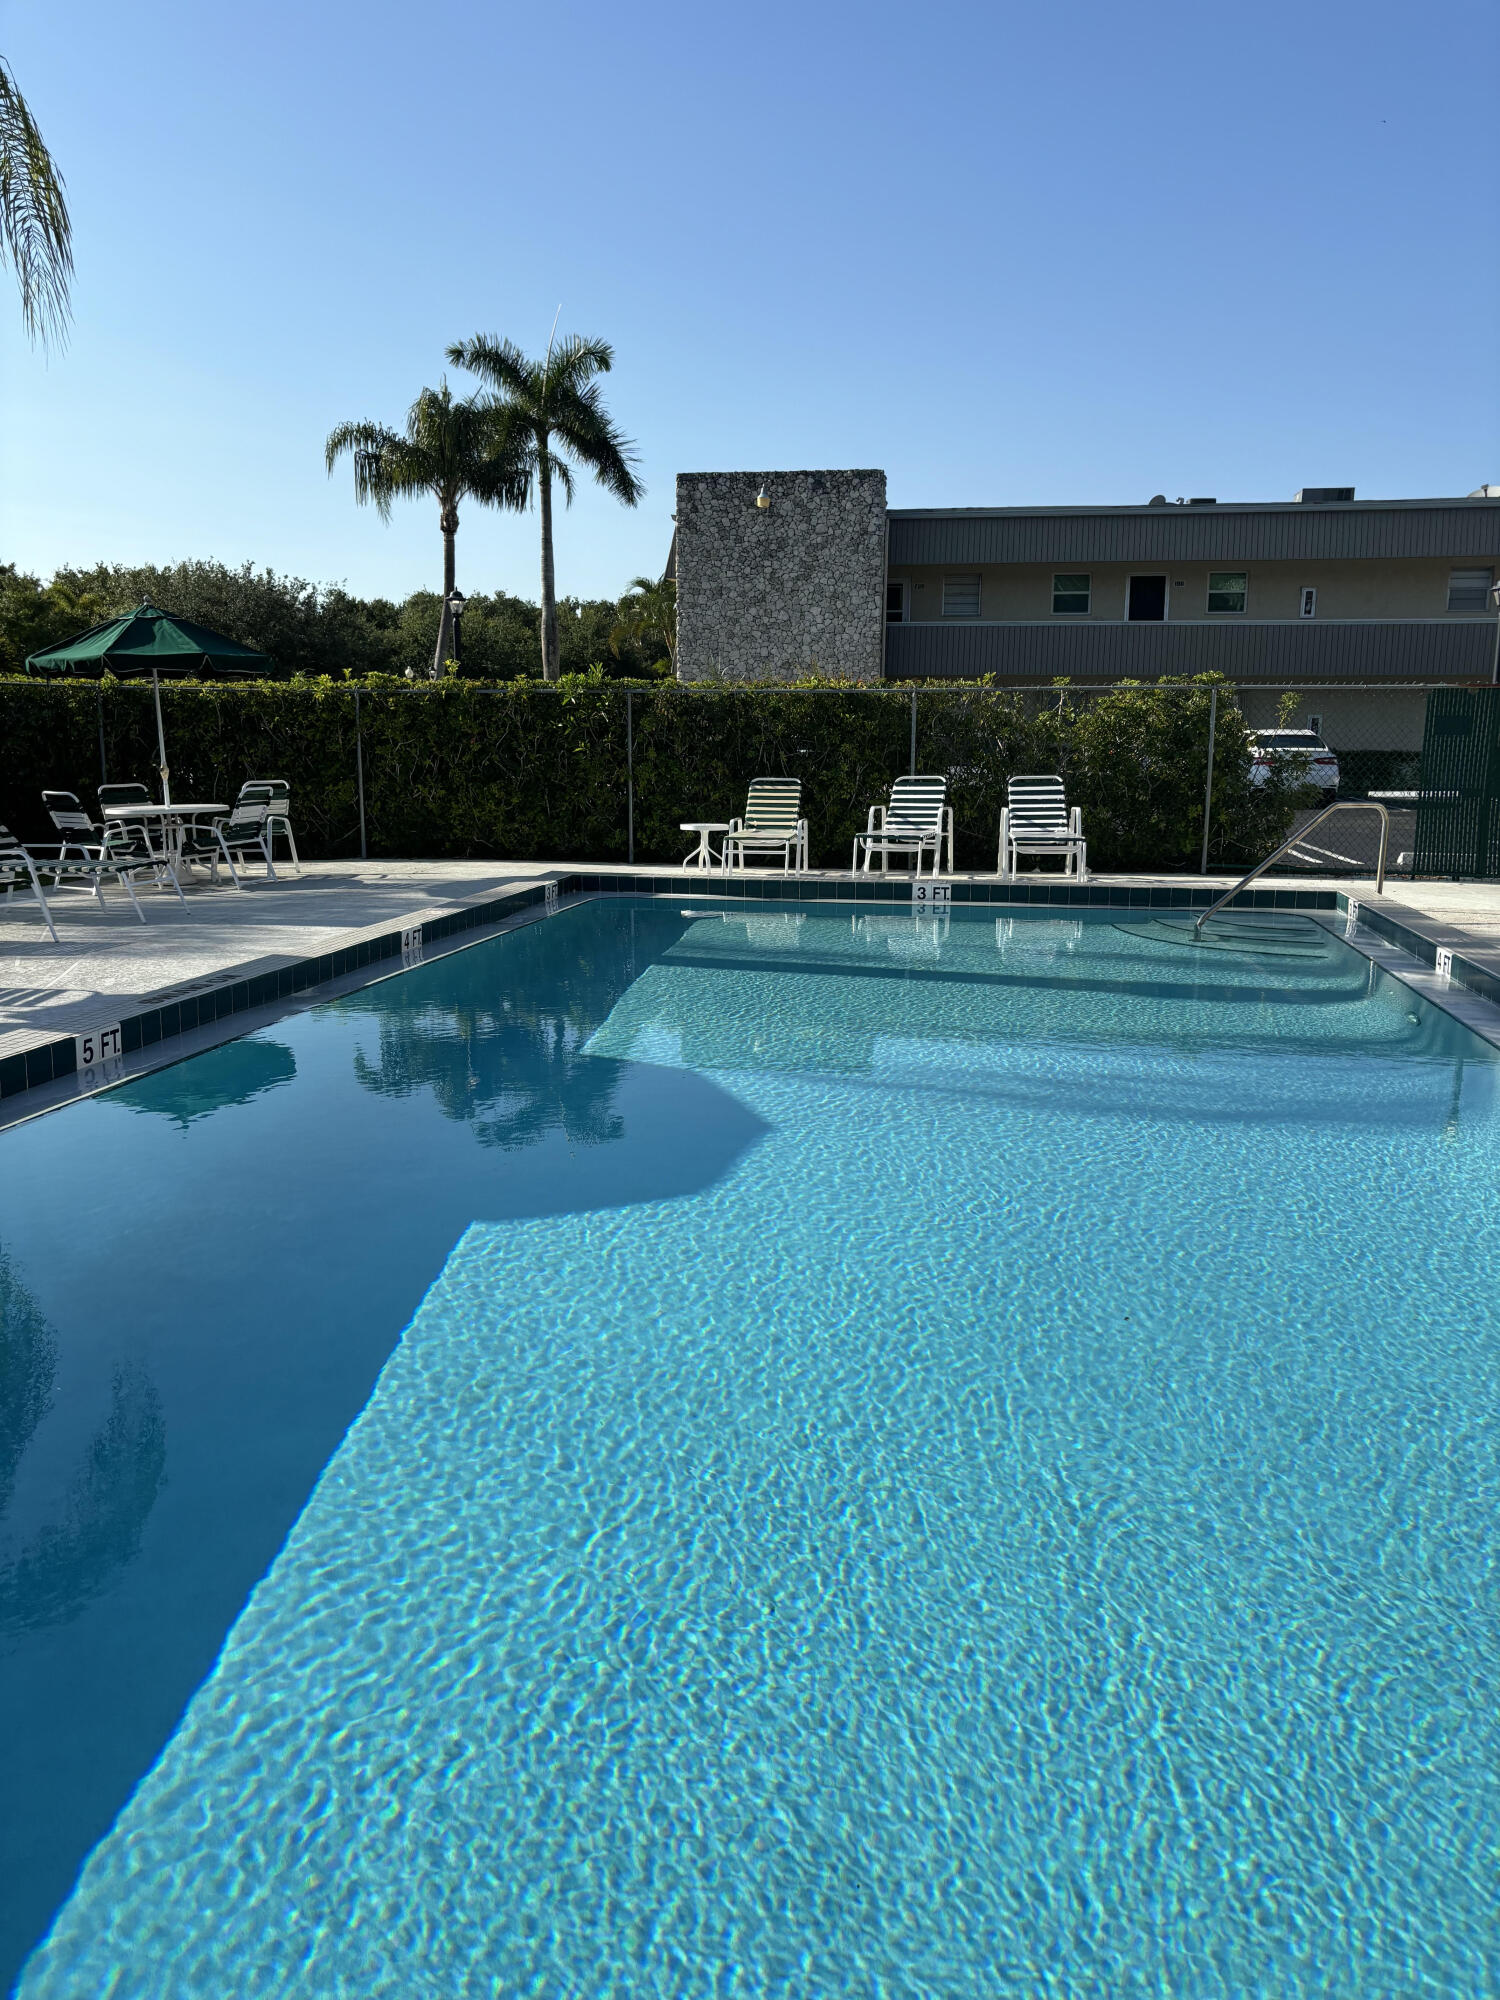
<point x="767" y="1452"/>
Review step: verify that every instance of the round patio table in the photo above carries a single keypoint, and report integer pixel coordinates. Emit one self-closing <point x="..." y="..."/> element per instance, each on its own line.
<point x="170" y="821"/>
<point x="703" y="855"/>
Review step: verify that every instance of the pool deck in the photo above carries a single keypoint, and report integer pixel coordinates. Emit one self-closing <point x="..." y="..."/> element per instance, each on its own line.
<point x="227" y="951"/>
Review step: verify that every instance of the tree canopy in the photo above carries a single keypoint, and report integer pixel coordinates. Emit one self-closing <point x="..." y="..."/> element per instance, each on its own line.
<point x="309" y="628"/>
<point x="556" y="422"/>
<point x="449" y="451"/>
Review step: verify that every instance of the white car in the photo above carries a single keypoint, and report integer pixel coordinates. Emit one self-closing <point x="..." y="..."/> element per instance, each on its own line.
<point x="1268" y="746"/>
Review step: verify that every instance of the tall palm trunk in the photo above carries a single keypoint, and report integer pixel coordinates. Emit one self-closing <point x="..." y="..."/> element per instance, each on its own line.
<point x="448" y="522"/>
<point x="550" y="666"/>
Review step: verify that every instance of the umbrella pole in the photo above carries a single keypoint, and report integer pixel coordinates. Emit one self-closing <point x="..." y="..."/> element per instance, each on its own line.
<point x="161" y="741"/>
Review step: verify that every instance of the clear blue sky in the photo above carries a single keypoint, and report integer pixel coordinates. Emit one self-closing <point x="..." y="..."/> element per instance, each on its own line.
<point x="1066" y="253"/>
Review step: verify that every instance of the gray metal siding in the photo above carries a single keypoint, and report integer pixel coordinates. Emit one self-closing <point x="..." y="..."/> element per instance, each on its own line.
<point x="1294" y="652"/>
<point x="1199" y="534"/>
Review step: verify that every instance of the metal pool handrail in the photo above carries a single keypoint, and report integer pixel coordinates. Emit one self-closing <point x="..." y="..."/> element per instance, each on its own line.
<point x="1339" y="805"/>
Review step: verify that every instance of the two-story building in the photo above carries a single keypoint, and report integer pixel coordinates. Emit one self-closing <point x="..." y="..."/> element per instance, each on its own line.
<point x="781" y="573"/>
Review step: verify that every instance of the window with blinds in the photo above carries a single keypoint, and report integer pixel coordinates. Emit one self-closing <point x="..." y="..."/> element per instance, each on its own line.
<point x="960" y="596"/>
<point x="1469" y="589"/>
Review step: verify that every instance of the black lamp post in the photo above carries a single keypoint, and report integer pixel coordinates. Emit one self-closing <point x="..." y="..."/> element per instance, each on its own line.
<point x="456" y="611"/>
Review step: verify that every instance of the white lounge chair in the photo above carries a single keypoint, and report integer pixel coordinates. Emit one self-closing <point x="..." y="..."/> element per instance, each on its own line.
<point x="916" y="822"/>
<point x="18" y="871"/>
<point x="21" y="867"/>
<point x="115" y="846"/>
<point x="772" y="824"/>
<point x="1037" y="819"/>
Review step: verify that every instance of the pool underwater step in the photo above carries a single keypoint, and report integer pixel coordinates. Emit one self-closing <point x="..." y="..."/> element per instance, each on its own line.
<point x="172" y="1011"/>
<point x="1260" y="936"/>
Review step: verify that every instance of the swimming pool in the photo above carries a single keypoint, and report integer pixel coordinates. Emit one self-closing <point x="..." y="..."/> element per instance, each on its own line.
<point x="798" y="1451"/>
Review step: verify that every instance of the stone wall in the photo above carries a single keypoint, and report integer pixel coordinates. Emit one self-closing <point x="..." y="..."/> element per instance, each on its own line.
<point x="777" y="592"/>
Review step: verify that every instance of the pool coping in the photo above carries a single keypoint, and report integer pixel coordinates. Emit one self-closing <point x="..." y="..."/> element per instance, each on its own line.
<point x="268" y="982"/>
<point x="259" y="983"/>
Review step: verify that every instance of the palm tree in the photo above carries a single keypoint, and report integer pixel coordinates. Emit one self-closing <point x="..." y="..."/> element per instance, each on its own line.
<point x="453" y="450"/>
<point x="36" y="237"/>
<point x="556" y="410"/>
<point x="648" y="610"/>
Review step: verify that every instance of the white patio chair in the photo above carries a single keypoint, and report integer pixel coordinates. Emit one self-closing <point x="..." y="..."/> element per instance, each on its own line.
<point x="772" y="823"/>
<point x="916" y="822"/>
<point x="1036" y="819"/>
<point x="277" y="794"/>
<point x="242" y="832"/>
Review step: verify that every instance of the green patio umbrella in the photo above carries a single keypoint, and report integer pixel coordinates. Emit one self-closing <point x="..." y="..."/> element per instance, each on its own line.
<point x="150" y="641"/>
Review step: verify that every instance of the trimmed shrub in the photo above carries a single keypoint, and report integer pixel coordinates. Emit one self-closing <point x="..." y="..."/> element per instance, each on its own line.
<point x="524" y="771"/>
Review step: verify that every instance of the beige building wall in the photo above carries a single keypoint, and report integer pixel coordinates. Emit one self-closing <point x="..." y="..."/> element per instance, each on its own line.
<point x="1348" y="718"/>
<point x="1022" y="592"/>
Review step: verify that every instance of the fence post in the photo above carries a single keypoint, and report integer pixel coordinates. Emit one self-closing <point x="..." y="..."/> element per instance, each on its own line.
<point x="630" y="771"/>
<point x="103" y="766"/>
<point x="1208" y="789"/>
<point x="359" y="767"/>
<point x="914" y="732"/>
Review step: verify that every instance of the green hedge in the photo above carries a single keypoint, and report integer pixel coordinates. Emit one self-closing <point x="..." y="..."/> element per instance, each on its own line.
<point x="528" y="772"/>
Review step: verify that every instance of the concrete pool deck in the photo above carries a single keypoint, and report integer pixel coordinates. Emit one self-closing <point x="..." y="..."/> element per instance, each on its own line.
<point x="231" y="952"/>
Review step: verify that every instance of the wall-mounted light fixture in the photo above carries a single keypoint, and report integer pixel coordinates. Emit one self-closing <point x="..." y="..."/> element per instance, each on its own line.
<point x="763" y="499"/>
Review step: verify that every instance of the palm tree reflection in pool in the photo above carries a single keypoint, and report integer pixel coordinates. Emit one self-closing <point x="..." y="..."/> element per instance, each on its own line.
<point x="508" y="1059"/>
<point x="69" y="1560"/>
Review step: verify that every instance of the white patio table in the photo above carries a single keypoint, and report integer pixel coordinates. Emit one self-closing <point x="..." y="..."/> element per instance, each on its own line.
<point x="168" y="820"/>
<point x="703" y="855"/>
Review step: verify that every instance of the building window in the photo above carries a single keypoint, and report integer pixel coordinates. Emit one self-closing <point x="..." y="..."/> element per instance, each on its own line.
<point x="1070" y="597"/>
<point x="960" y="596"/>
<point x="1469" y="589"/>
<point x="1310" y="605"/>
<point x="895" y="601"/>
<point x="1227" y="589"/>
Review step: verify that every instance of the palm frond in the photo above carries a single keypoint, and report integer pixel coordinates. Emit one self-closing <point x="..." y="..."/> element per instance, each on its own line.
<point x="36" y="234"/>
<point x="500" y="363"/>
<point x="648" y="610"/>
<point x="586" y="429"/>
<point x="577" y="359"/>
<point x="562" y="472"/>
<point x="373" y="448"/>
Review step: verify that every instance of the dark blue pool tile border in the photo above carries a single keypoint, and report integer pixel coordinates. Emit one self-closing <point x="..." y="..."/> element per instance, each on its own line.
<point x="51" y="1061"/>
<point x="1483" y="980"/>
<point x="1053" y="895"/>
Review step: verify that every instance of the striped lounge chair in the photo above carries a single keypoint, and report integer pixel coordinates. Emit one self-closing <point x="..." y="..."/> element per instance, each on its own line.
<point x="916" y="822"/>
<point x="1037" y="819"/>
<point x="21" y="867"/>
<point x="18" y="871"/>
<point x="773" y="824"/>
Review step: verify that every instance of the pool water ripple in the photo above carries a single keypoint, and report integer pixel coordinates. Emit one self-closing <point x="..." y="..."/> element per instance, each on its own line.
<point x="1026" y="1527"/>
